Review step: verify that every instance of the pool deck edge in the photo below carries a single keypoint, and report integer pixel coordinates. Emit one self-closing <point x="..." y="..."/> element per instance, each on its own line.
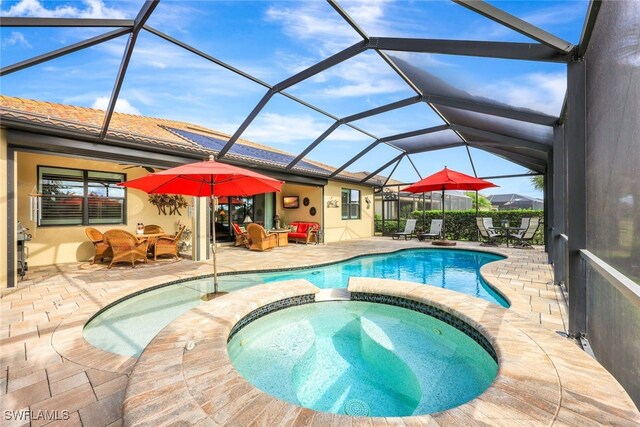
<point x="39" y="370"/>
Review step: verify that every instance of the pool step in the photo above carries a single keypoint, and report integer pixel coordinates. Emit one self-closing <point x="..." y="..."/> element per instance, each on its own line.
<point x="333" y="294"/>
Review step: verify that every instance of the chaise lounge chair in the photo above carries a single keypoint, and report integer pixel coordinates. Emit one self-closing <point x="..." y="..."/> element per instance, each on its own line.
<point x="434" y="230"/>
<point x="408" y="230"/>
<point x="260" y="240"/>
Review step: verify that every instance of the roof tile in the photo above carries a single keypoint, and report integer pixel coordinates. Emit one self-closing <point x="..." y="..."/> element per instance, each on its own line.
<point x="149" y="131"/>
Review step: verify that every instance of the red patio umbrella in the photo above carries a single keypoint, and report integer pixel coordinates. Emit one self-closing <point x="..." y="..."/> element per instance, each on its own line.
<point x="206" y="179"/>
<point x="448" y="179"/>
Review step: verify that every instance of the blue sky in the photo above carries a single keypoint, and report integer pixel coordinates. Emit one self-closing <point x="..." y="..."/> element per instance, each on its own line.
<point x="272" y="40"/>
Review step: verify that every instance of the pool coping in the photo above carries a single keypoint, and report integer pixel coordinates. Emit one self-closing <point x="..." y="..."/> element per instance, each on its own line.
<point x="306" y="267"/>
<point x="539" y="381"/>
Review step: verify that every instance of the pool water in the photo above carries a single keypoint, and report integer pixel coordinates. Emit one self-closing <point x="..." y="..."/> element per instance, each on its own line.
<point x="451" y="269"/>
<point x="360" y="358"/>
<point x="129" y="326"/>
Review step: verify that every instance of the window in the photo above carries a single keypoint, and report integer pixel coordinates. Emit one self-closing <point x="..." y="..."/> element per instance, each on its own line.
<point x="350" y="204"/>
<point x="80" y="197"/>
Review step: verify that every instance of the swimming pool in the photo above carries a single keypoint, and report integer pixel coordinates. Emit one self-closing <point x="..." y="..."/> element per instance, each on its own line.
<point x="361" y="358"/>
<point x="127" y="327"/>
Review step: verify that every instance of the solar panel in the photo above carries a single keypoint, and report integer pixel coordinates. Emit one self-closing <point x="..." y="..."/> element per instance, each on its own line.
<point x="239" y="149"/>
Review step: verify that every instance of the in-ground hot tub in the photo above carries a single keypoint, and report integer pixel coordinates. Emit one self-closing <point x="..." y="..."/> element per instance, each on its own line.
<point x="187" y="372"/>
<point x="362" y="358"/>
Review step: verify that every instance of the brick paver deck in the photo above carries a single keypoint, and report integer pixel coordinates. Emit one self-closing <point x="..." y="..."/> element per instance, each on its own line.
<point x="47" y="367"/>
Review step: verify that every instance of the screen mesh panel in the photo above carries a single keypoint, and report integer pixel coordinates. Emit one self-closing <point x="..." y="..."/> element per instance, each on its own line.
<point x="430" y="141"/>
<point x="612" y="189"/>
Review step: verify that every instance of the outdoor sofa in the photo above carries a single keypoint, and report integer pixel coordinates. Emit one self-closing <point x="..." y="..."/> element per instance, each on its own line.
<point x="302" y="231"/>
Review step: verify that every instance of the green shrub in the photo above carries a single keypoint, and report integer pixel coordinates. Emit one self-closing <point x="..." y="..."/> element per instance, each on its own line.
<point x="461" y="225"/>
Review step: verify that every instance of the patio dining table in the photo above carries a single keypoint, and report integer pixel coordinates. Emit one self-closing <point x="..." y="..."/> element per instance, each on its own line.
<point x="150" y="235"/>
<point x="507" y="231"/>
<point x="150" y="238"/>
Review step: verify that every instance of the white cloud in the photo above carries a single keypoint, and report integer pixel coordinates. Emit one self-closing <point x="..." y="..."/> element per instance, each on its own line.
<point x="542" y="92"/>
<point x="277" y="128"/>
<point x="324" y="33"/>
<point x="313" y="21"/>
<point x="16" y="38"/>
<point x="274" y="128"/>
<point x="322" y="30"/>
<point x="122" y="105"/>
<point x="550" y="19"/>
<point x="93" y="9"/>
<point x="554" y="15"/>
<point x="362" y="89"/>
<point x="370" y="15"/>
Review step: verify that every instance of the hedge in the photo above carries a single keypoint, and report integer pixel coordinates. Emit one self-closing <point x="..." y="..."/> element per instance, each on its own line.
<point x="461" y="225"/>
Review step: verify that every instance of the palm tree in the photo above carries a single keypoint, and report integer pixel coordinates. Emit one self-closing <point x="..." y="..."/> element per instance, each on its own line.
<point x="537" y="181"/>
<point x="484" y="204"/>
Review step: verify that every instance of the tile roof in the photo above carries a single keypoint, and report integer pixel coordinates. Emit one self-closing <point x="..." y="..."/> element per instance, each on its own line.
<point x="151" y="131"/>
<point x="507" y="197"/>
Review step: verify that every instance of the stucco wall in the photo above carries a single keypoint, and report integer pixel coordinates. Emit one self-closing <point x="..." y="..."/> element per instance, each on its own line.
<point x="337" y="229"/>
<point x="61" y="244"/>
<point x="302" y="213"/>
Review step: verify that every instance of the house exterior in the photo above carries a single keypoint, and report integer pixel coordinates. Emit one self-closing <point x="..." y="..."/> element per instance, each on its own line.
<point x="511" y="201"/>
<point x="59" y="177"/>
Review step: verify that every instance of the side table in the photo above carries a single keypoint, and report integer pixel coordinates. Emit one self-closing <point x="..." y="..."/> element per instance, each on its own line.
<point x="283" y="237"/>
<point x="317" y="236"/>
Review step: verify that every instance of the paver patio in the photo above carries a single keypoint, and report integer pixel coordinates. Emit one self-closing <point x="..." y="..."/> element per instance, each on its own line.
<point x="48" y="368"/>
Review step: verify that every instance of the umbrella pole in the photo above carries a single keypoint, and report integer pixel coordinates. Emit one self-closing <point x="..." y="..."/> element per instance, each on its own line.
<point x="477" y="229"/>
<point x="424" y="219"/>
<point x="213" y="236"/>
<point x="444" y="235"/>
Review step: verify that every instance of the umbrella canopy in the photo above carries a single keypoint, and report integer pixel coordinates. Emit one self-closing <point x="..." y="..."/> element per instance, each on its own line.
<point x="448" y="179"/>
<point x="206" y="179"/>
<point x="200" y="179"/>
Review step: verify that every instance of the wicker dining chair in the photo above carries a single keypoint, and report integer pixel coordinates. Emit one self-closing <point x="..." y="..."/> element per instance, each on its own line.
<point x="168" y="245"/>
<point x="125" y="246"/>
<point x="102" y="249"/>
